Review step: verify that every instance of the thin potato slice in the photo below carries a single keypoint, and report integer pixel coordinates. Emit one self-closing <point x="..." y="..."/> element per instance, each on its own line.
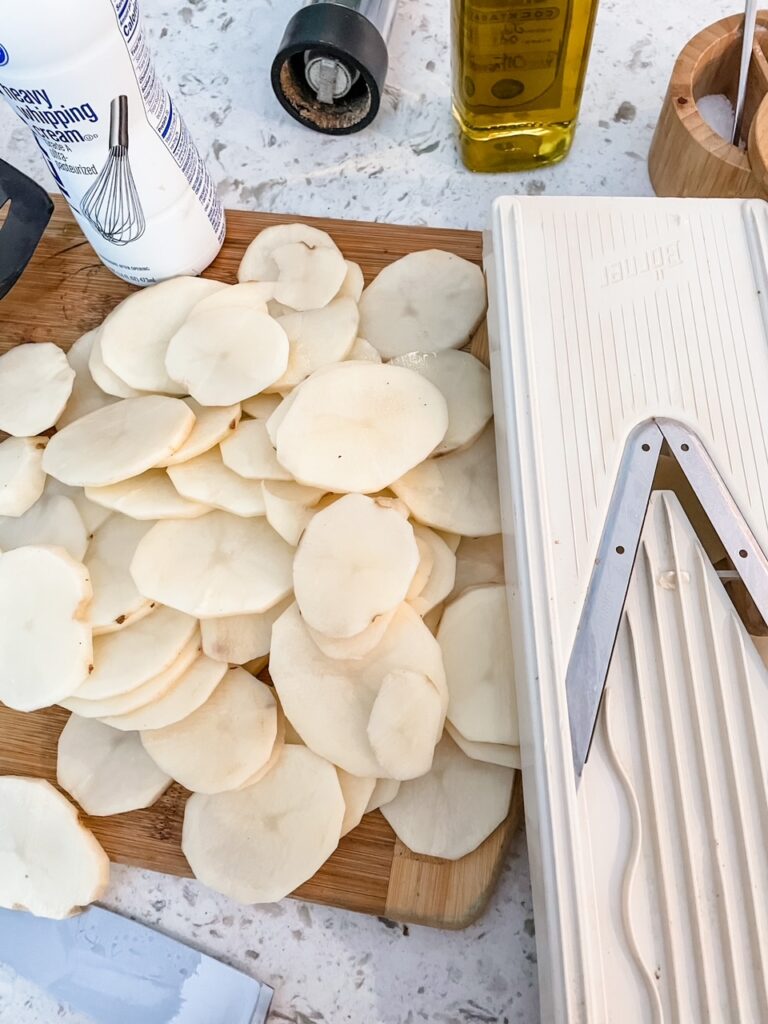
<point x="213" y="424"/>
<point x="353" y="283"/>
<point x="424" y="302"/>
<point x="492" y="753"/>
<point x="248" y="295"/>
<point x="474" y="636"/>
<point x="53" y="520"/>
<point x="238" y="639"/>
<point x="278" y="414"/>
<point x="384" y="792"/>
<point x="442" y="574"/>
<point x="274" y="757"/>
<point x="224" y="742"/>
<point x="257" y="263"/>
<point x="307" y="278"/>
<point x="91" y="514"/>
<point x="354" y="562"/>
<point x="45" y="644"/>
<point x="356" y="792"/>
<point x="225" y="355"/>
<point x="423" y="570"/>
<point x="86" y="394"/>
<point x="353" y="647"/>
<point x="465" y="383"/>
<point x="217" y="565"/>
<point x="103" y="377"/>
<point x="359" y="426"/>
<point x="479" y="561"/>
<point x="249" y="453"/>
<point x="106" y="771"/>
<point x="116" y="601"/>
<point x="134" y="338"/>
<point x="21" y="473"/>
<point x="363" y="351"/>
<point x="35" y="383"/>
<point x="452" y="809"/>
<point x="289" y="507"/>
<point x="257" y="844"/>
<point x="148" y="496"/>
<point x="317" y="338"/>
<point x="261" y="407"/>
<point x="458" y="492"/>
<point x="52" y="865"/>
<point x="119" y="441"/>
<point x="206" y="479"/>
<point x="406" y="722"/>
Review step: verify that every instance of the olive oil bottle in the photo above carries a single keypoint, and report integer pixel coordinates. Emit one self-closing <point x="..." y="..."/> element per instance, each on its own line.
<point x="518" y="74"/>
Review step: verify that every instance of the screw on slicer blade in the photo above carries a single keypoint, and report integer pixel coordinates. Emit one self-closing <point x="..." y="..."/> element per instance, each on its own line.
<point x="329" y="77"/>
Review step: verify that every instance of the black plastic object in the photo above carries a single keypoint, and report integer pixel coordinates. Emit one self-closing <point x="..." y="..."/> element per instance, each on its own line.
<point x="28" y="215"/>
<point x="337" y="32"/>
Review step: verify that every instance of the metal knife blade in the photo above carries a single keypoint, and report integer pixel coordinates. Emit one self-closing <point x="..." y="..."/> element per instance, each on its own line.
<point x="117" y="971"/>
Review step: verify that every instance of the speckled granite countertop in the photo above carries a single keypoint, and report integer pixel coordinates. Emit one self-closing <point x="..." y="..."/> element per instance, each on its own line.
<point x="327" y="965"/>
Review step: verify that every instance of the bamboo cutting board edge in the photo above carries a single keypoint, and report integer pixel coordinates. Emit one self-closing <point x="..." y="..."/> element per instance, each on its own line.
<point x="66" y="291"/>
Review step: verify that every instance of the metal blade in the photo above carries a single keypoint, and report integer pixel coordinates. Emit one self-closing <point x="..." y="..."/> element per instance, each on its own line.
<point x="608" y="585"/>
<point x="117" y="971"/>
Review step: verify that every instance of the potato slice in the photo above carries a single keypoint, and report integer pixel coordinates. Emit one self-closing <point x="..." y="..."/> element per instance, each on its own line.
<point x="274" y="757"/>
<point x="103" y="377"/>
<point x="479" y="560"/>
<point x="329" y="701"/>
<point x="424" y="302"/>
<point x="289" y="507"/>
<point x="213" y="424"/>
<point x="249" y="453"/>
<point x="308" y="278"/>
<point x="127" y="659"/>
<point x="317" y="338"/>
<point x="359" y="426"/>
<point x="217" y="565"/>
<point x="53" y="520"/>
<point x="238" y="639"/>
<point x="116" y="601"/>
<point x="224" y="742"/>
<point x="465" y="384"/>
<point x="357" y="646"/>
<point x="142" y="696"/>
<point x="442" y="574"/>
<point x="406" y="722"/>
<point x="207" y="479"/>
<point x="134" y="337"/>
<point x="354" y="562"/>
<point x="474" y="636"/>
<point x="458" y="492"/>
<point x="257" y="844"/>
<point x="190" y="691"/>
<point x="356" y="792"/>
<point x="120" y="441"/>
<point x="353" y="283"/>
<point x="86" y="395"/>
<point x="148" y="496"/>
<point x="452" y="809"/>
<point x="45" y="644"/>
<point x="261" y="407"/>
<point x="92" y="515"/>
<point x="492" y="753"/>
<point x="35" y="383"/>
<point x="248" y="295"/>
<point x="52" y="865"/>
<point x="106" y="771"/>
<point x="225" y="355"/>
<point x="363" y="351"/>
<point x="21" y="473"/>
<point x="451" y="539"/>
<point x="423" y="570"/>
<point x="257" y="263"/>
<point x="384" y="792"/>
<point x="277" y="416"/>
<point x="433" y="617"/>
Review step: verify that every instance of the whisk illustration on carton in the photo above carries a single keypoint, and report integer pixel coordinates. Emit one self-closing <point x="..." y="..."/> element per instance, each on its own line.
<point x="112" y="205"/>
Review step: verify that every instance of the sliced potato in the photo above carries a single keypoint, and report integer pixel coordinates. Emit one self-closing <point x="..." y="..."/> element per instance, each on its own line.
<point x="384" y="792"/>
<point x="119" y="441"/>
<point x="465" y="383"/>
<point x="432" y="618"/>
<point x="356" y="792"/>
<point x="363" y="351"/>
<point x="45" y="644"/>
<point x="217" y="565"/>
<point x="423" y="570"/>
<point x="222" y="356"/>
<point x="148" y="496"/>
<point x="479" y="560"/>
<point x="442" y="574"/>
<point x="206" y="479"/>
<point x="106" y="771"/>
<point x="289" y="507"/>
<point x="458" y="492"/>
<point x="53" y="520"/>
<point x="239" y="639"/>
<point x="355" y="561"/>
<point x="353" y="283"/>
<point x="52" y="865"/>
<point x="492" y="753"/>
<point x="278" y="414"/>
<point x="134" y="338"/>
<point x="103" y="377"/>
<point x="274" y="757"/>
<point x="257" y="844"/>
<point x="474" y="636"/>
<point x="257" y="263"/>
<point x="249" y="453"/>
<point x="424" y="302"/>
<point x="452" y="809"/>
<point x="224" y="742"/>
<point x="357" y="426"/>
<point x="406" y="722"/>
<point x="21" y="473"/>
<point x="116" y="601"/>
<point x="213" y="424"/>
<point x="86" y="395"/>
<point x="261" y="407"/>
<point x="92" y="515"/>
<point x="317" y="338"/>
<point x="307" y="278"/>
<point x="357" y="646"/>
<point x="451" y="539"/>
<point x="248" y="295"/>
<point x="329" y="701"/>
<point x="35" y="382"/>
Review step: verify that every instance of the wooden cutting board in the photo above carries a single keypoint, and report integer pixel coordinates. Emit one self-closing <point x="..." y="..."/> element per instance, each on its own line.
<point x="66" y="291"/>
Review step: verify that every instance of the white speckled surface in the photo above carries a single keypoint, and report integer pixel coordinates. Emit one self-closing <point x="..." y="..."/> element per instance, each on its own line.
<point x="330" y="966"/>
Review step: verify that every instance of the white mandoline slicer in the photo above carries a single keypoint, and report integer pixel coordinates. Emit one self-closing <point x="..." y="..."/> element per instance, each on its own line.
<point x="629" y="336"/>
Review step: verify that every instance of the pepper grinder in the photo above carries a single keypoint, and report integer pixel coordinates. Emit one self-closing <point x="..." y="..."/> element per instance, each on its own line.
<point x="330" y="69"/>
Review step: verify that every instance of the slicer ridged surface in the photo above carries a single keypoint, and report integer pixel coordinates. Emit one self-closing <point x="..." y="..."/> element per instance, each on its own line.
<point x="675" y="799"/>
